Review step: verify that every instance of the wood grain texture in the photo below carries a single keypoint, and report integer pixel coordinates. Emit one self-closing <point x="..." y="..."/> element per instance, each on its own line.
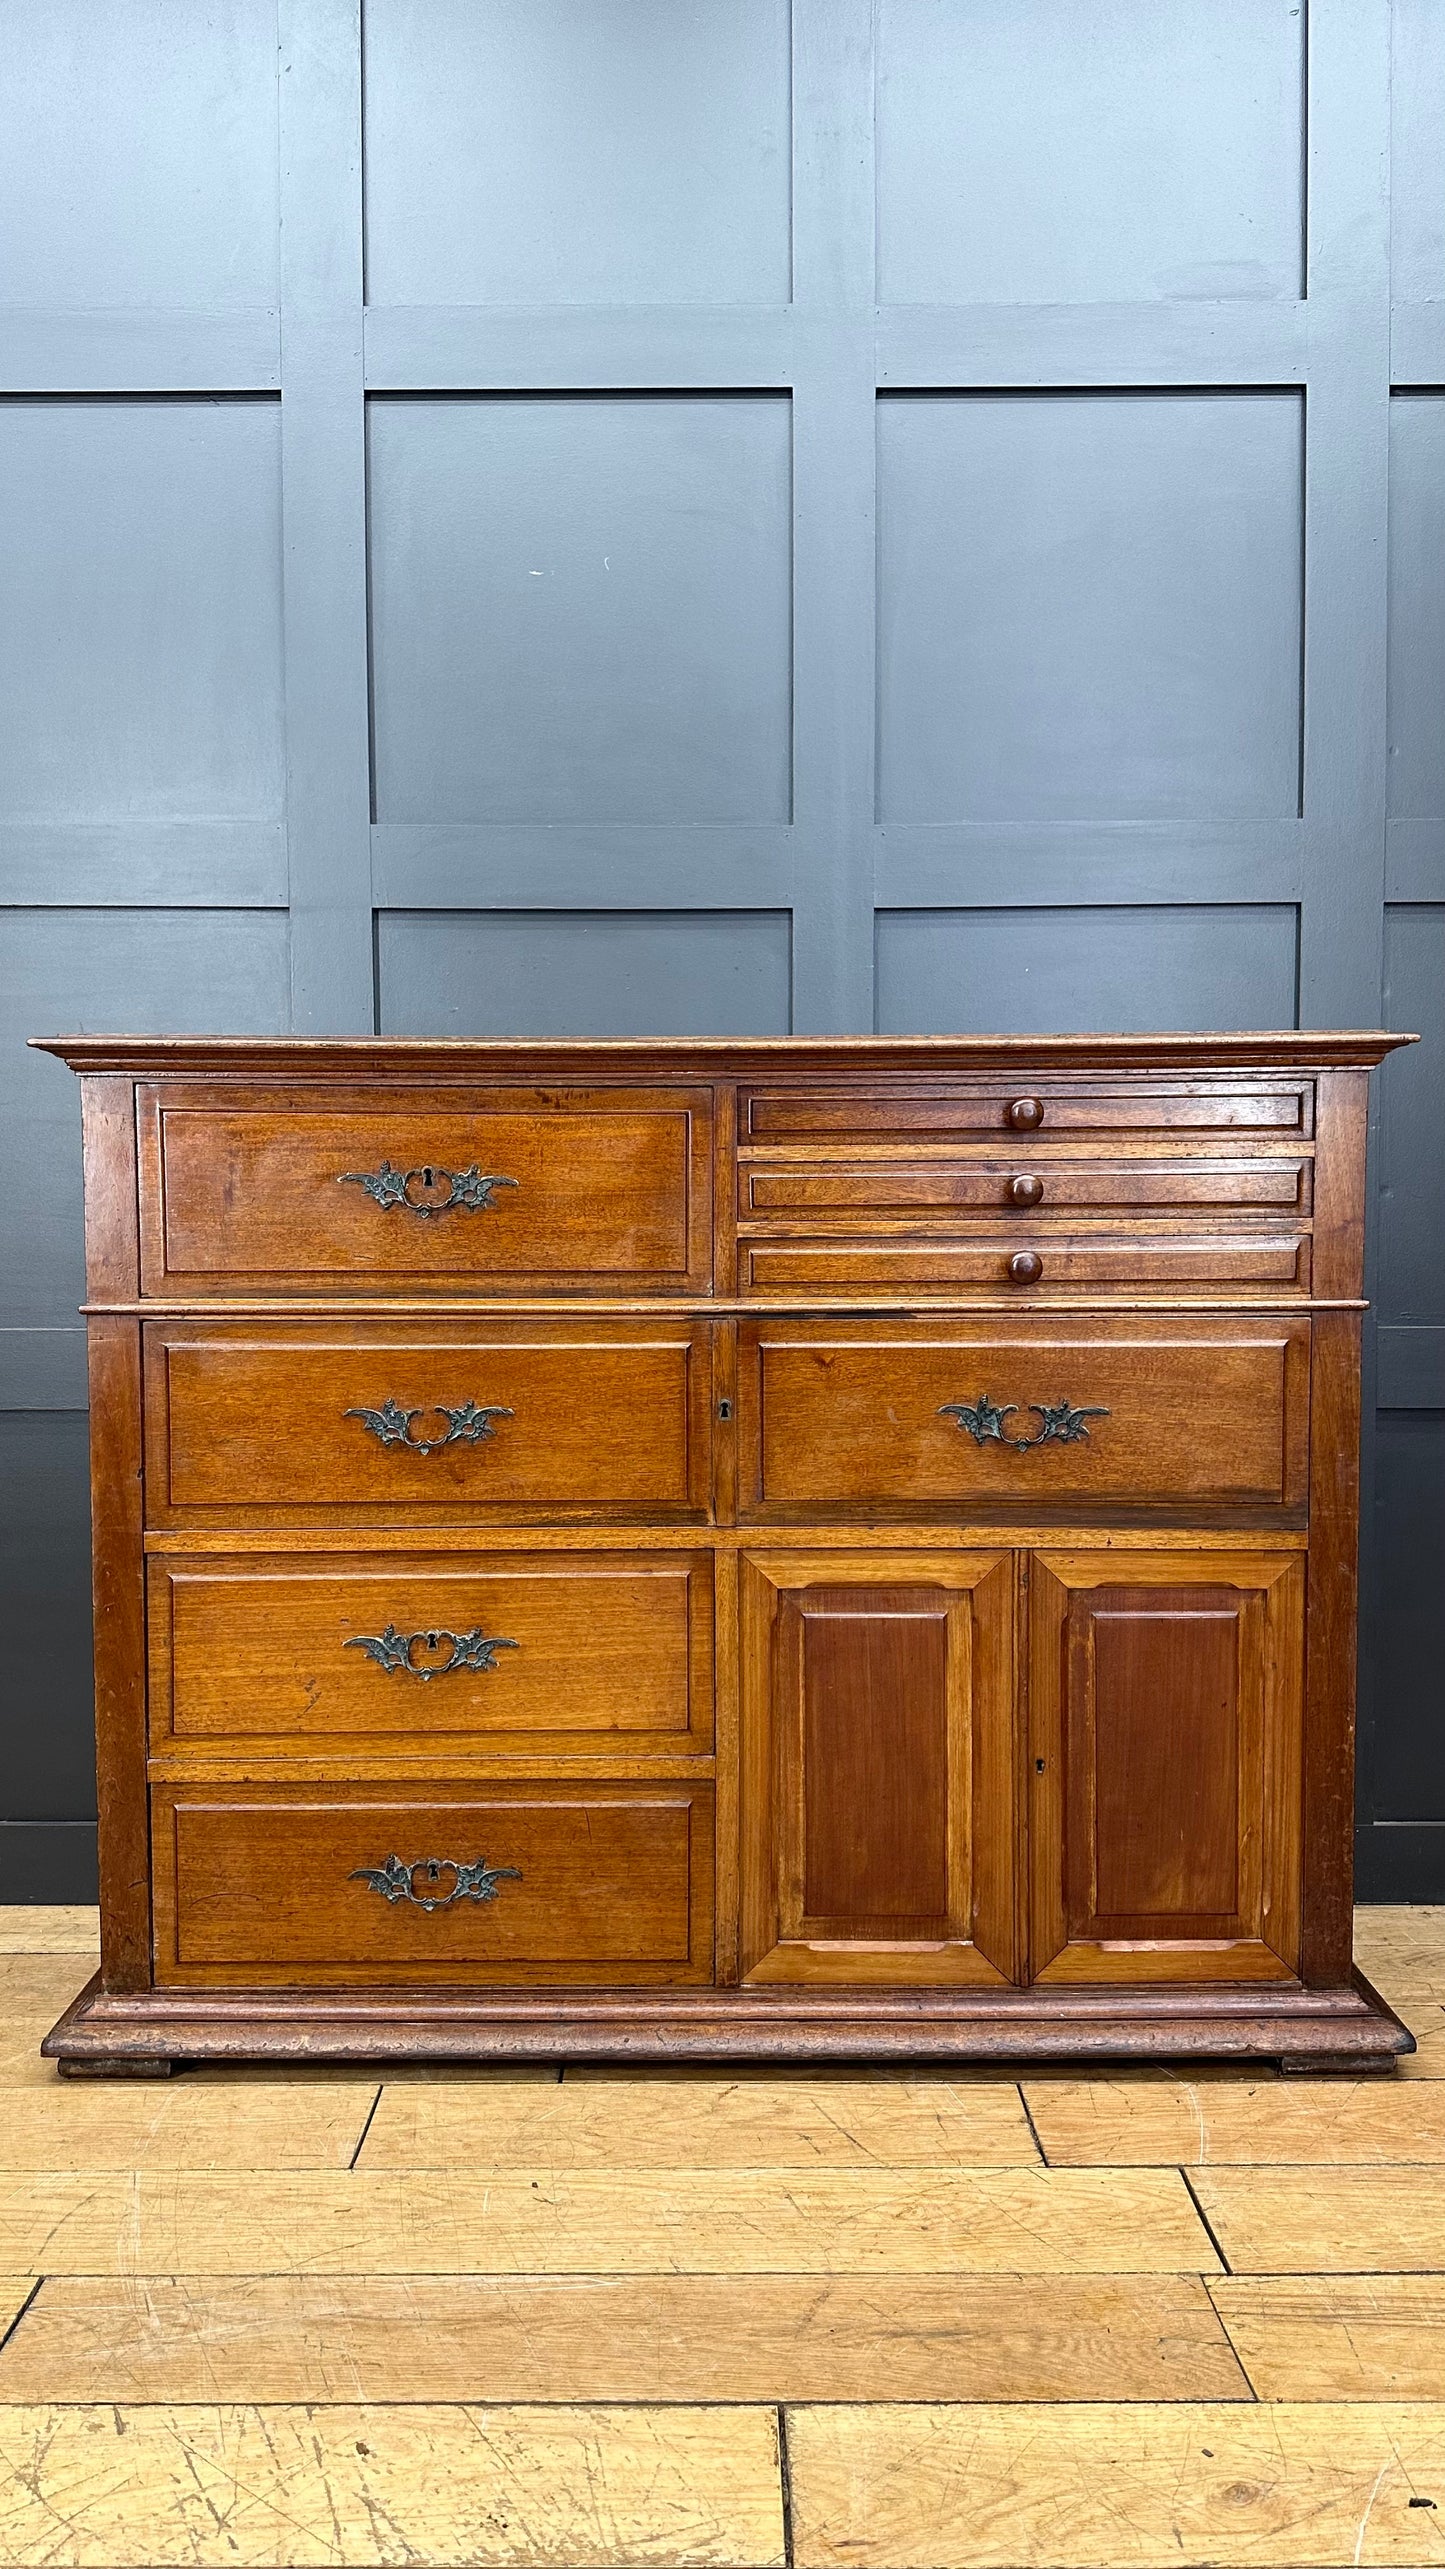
<point x="1331" y="1633"/>
<point x="608" y="1191"/>
<point x="612" y="1417"/>
<point x="1271" y="2221"/>
<point x="1426" y="2020"/>
<point x="1116" y="2488"/>
<point x="118" y="1594"/>
<point x="707" y="2122"/>
<point x="112" y="1211"/>
<point x="185" y="2125"/>
<point x="1197" y="2123"/>
<point x="700" y="2221"/>
<point x="591" y="1652"/>
<point x="878" y="1768"/>
<point x="1033" y="1184"/>
<point x="1157" y="1845"/>
<point x="1403" y="1949"/>
<point x="1073" y="1261"/>
<point x="669" y="2337"/>
<point x="26" y="1930"/>
<point x="1337" y="2337"/>
<point x="999" y="1065"/>
<point x="277" y="2488"/>
<point x="851" y="1418"/>
<point x="261" y="1885"/>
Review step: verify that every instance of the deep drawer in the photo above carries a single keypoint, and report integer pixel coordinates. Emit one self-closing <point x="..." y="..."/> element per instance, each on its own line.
<point x="1022" y="1262"/>
<point x="592" y="1883"/>
<point x="497" y="1191"/>
<point x="870" y="1419"/>
<point x="443" y="1655"/>
<point x="968" y="1110"/>
<point x="365" y="1422"/>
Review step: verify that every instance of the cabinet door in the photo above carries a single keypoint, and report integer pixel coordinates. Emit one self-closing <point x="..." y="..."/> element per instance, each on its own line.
<point x="1165" y="1694"/>
<point x="879" y="1767"/>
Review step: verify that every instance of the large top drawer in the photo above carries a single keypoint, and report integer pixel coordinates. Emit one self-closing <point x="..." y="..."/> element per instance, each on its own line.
<point x="414" y="1190"/>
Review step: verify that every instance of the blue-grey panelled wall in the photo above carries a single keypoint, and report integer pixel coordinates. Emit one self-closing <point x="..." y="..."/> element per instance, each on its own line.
<point x="708" y="516"/>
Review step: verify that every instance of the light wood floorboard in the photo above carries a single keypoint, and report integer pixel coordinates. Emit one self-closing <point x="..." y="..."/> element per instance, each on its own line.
<point x="1327" y="2122"/>
<point x="1279" y="2221"/>
<point x="663" y="2337"/>
<point x="1116" y="2488"/>
<point x="1333" y="2337"/>
<point x="51" y="1931"/>
<point x="278" y="2487"/>
<point x="557" y="2323"/>
<point x="763" y="2221"/>
<point x="711" y="2123"/>
<point x="102" y="2125"/>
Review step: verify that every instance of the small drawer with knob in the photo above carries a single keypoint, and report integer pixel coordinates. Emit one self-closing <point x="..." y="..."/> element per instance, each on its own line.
<point x="950" y="1419"/>
<point x="424" y="1189"/>
<point x="881" y="1114"/>
<point x="1208" y="1187"/>
<point x="439" y="1660"/>
<point x="1132" y="1263"/>
<point x="371" y="1422"/>
<point x="522" y="1883"/>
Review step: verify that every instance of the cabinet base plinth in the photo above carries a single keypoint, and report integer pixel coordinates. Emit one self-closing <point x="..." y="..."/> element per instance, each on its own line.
<point x="1349" y="2028"/>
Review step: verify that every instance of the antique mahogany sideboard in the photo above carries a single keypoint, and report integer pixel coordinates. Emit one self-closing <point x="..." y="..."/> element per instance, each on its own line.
<point x="758" y="1550"/>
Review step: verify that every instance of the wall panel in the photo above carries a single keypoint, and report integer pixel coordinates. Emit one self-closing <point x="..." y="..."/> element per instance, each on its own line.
<point x="704" y="516"/>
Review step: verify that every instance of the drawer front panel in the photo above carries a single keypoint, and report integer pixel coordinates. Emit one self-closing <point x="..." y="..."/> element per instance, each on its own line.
<point x="873" y="1420"/>
<point x="527" y="1192"/>
<point x="512" y="1653"/>
<point x="1026" y="1262"/>
<point x="583" y="1884"/>
<point x="376" y="1424"/>
<point x="1025" y="1187"/>
<point x="921" y="1111"/>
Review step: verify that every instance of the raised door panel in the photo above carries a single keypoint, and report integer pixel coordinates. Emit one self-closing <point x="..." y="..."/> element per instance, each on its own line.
<point x="878" y="1768"/>
<point x="1165" y="1827"/>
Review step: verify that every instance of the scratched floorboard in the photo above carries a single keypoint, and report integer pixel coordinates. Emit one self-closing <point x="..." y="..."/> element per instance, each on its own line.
<point x="517" y="2321"/>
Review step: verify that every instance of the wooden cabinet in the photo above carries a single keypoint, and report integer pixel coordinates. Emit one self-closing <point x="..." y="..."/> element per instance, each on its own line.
<point x="879" y="1768"/>
<point x="756" y="1552"/>
<point x="1165" y="1716"/>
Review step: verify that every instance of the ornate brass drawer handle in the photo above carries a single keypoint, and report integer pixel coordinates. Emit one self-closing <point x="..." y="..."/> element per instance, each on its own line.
<point x="391" y="1424"/>
<point x="397" y="1881"/>
<point x="392" y="1650"/>
<point x="1059" y="1422"/>
<point x="467" y="1190"/>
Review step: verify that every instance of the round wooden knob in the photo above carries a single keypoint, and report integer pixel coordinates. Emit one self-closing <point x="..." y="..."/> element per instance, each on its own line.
<point x="1025" y="1267"/>
<point x="1025" y="1190"/>
<point x="1026" y="1114"/>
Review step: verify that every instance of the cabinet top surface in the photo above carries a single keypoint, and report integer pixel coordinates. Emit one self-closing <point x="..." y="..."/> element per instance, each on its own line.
<point x="932" y="1056"/>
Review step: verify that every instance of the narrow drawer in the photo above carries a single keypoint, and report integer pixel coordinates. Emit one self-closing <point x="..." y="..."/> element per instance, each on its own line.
<point x="498" y="1191"/>
<point x="945" y="1418"/>
<point x="1027" y="1186"/>
<point x="1028" y="1262"/>
<point x="967" y="1110"/>
<point x="585" y="1884"/>
<point x="359" y="1422"/>
<point x="443" y="1655"/>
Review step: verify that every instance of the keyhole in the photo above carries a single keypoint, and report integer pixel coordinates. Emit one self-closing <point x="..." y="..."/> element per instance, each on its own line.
<point x="724" y="1409"/>
<point x="1038" y="1766"/>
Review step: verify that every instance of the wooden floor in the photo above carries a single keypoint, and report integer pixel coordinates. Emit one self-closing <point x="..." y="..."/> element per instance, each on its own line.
<point x="876" y="2322"/>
